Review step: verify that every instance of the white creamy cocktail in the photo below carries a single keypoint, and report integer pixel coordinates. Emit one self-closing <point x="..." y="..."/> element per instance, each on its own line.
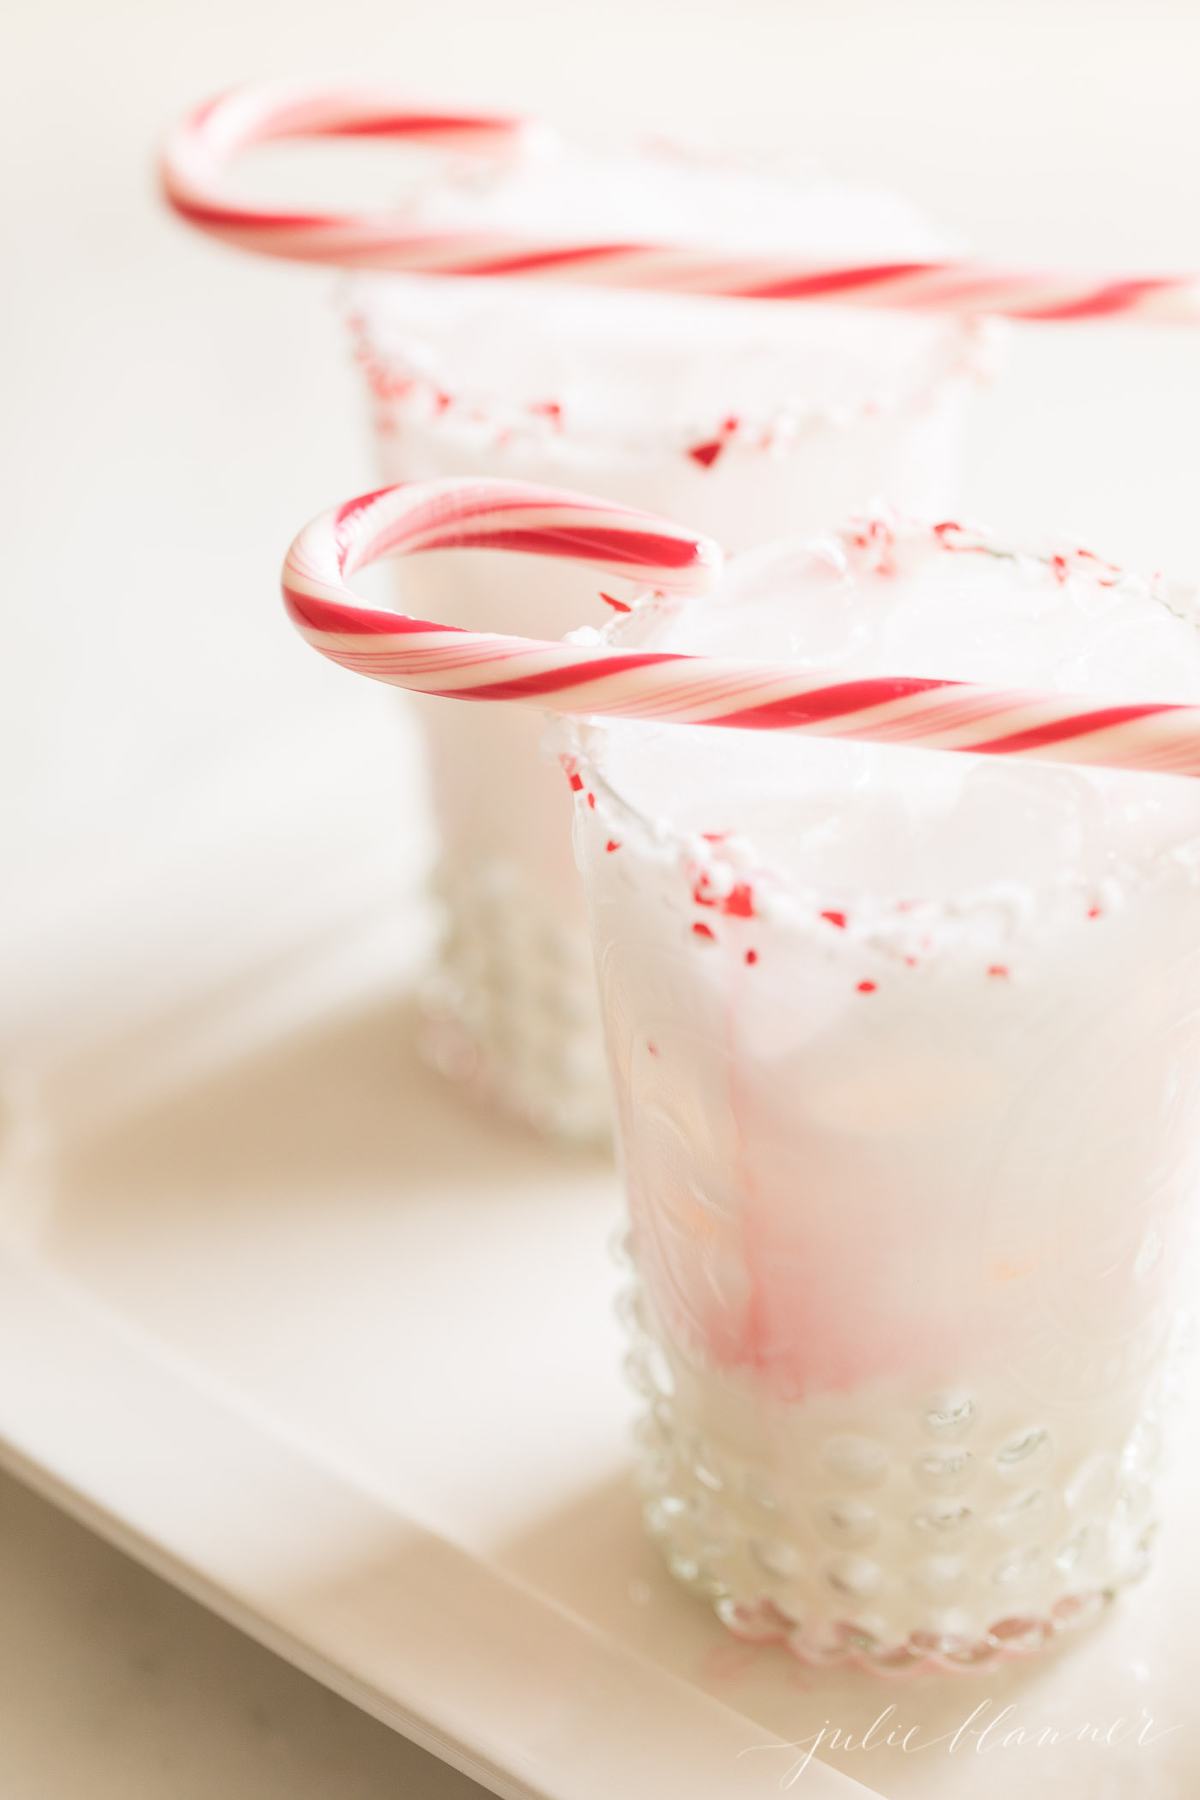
<point x="742" y="419"/>
<point x="906" y="1055"/>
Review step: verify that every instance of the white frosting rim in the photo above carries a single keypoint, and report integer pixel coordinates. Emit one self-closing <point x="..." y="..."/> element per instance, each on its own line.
<point x="921" y="927"/>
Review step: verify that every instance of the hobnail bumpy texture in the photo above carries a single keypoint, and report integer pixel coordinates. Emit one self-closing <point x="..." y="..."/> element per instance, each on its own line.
<point x="511" y="1009"/>
<point x="895" y="1532"/>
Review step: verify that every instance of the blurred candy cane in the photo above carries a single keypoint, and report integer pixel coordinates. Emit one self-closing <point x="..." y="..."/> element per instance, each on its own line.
<point x="198" y="151"/>
<point x="661" y="685"/>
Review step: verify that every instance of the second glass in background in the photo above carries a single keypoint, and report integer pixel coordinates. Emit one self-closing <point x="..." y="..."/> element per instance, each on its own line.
<point x="744" y="420"/>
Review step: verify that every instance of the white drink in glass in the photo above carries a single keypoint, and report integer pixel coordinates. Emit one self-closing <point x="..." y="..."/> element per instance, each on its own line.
<point x="744" y="420"/>
<point x="906" y="1056"/>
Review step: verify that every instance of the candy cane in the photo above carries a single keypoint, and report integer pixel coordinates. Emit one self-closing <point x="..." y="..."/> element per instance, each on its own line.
<point x="198" y="150"/>
<point x="197" y="153"/>
<point x="661" y="685"/>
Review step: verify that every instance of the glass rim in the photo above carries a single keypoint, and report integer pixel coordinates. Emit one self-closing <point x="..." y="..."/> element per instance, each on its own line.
<point x="401" y="376"/>
<point x="894" y="921"/>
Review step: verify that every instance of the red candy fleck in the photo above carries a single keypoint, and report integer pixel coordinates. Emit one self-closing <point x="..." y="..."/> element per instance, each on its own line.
<point x="876" y="537"/>
<point x="617" y="605"/>
<point x="998" y="969"/>
<point x="613" y="844"/>
<point x="704" y="931"/>
<point x="867" y="987"/>
<point x="738" y="903"/>
<point x="652" y="1048"/>
<point x="1111" y="574"/>
<point x="591" y="800"/>
<point x="752" y="957"/>
<point x="1094" y="912"/>
<point x="706" y="454"/>
<point x="910" y="962"/>
<point x="576" y="781"/>
<point x="834" y="917"/>
<point x="547" y="409"/>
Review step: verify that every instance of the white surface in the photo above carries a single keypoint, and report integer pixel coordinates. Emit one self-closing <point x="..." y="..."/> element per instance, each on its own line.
<point x="337" y="1357"/>
<point x="158" y="1697"/>
<point x="467" y="1661"/>
<point x="164" y="889"/>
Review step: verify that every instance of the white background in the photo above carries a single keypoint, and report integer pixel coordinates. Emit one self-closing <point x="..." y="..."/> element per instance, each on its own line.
<point x="172" y="414"/>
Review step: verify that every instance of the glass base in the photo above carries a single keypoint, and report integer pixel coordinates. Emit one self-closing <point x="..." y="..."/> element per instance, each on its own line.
<point x="921" y="1653"/>
<point x="896" y="1531"/>
<point x="511" y="1013"/>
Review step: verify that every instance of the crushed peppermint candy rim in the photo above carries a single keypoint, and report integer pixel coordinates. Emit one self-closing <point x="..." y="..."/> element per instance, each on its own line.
<point x="727" y="871"/>
<point x="404" y="387"/>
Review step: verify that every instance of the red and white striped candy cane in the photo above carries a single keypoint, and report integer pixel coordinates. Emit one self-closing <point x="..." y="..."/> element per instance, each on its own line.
<point x="197" y="153"/>
<point x="650" y="684"/>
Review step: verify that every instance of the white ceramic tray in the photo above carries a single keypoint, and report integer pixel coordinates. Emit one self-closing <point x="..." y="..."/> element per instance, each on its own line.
<point x="290" y="1323"/>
